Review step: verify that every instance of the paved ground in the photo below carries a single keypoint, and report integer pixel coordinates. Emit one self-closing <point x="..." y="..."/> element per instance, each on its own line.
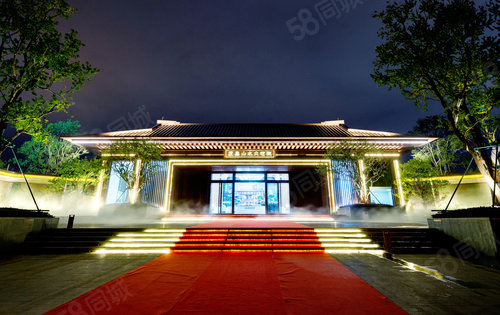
<point x="475" y="290"/>
<point x="34" y="284"/>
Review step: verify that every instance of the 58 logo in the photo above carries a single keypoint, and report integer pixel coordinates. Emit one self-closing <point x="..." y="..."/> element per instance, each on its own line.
<point x="303" y="24"/>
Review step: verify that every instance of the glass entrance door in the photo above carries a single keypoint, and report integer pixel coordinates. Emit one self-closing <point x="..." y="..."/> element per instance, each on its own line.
<point x="249" y="193"/>
<point x="250" y="198"/>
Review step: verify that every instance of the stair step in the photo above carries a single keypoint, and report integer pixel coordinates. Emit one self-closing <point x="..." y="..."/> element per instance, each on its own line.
<point x="192" y="240"/>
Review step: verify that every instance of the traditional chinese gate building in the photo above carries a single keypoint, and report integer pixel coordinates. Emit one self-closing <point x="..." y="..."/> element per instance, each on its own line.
<point x="251" y="168"/>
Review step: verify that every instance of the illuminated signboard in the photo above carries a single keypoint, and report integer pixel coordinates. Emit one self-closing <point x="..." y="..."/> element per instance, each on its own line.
<point x="249" y="154"/>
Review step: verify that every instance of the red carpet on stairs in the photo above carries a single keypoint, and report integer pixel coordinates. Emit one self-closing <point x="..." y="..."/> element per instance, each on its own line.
<point x="251" y="223"/>
<point x="235" y="284"/>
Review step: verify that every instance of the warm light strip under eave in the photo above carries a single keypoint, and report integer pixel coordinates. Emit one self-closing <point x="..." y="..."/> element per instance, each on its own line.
<point x="383" y="154"/>
<point x="257" y="140"/>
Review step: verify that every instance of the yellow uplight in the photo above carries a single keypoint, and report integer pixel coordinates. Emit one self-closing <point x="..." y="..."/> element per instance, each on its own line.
<point x="340" y="235"/>
<point x="349" y="245"/>
<point x="355" y="251"/>
<point x="319" y="230"/>
<point x="362" y="240"/>
<point x="165" y="230"/>
<point x="144" y="239"/>
<point x="131" y="251"/>
<point x="148" y="235"/>
<point x="124" y="245"/>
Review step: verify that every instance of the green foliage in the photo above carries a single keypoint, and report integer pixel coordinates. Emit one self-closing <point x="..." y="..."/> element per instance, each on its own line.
<point x="431" y="126"/>
<point x="446" y="53"/>
<point x="418" y="178"/>
<point x="39" y="67"/>
<point x="48" y="156"/>
<point x="78" y="173"/>
<point x="122" y="155"/>
<point x="346" y="156"/>
<point x="446" y="155"/>
<point x="64" y="128"/>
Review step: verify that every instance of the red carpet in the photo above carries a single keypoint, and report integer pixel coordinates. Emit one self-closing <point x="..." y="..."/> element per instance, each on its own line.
<point x="251" y="223"/>
<point x="235" y="284"/>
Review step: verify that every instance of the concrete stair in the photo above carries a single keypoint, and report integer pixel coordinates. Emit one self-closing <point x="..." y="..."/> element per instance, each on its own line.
<point x="407" y="240"/>
<point x="68" y="241"/>
<point x="190" y="240"/>
<point x="241" y="240"/>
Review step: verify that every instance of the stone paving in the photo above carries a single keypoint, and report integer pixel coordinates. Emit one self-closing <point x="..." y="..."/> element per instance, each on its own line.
<point x="35" y="284"/>
<point x="475" y="290"/>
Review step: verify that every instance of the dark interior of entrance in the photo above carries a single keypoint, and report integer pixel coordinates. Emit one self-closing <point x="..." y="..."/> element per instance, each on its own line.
<point x="248" y="190"/>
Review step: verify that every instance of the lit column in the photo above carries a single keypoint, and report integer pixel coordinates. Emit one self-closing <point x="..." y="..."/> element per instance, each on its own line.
<point x="331" y="187"/>
<point x="364" y="191"/>
<point x="135" y="191"/>
<point x="99" y="189"/>
<point x="168" y="187"/>
<point x="398" y="183"/>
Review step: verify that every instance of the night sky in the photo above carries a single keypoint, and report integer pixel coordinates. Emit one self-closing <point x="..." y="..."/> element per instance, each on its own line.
<point x="230" y="61"/>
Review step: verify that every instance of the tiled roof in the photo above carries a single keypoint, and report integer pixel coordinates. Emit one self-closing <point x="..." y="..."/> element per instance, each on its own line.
<point x="207" y="130"/>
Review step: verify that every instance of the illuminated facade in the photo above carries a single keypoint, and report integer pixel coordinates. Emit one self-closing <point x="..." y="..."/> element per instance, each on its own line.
<point x="252" y="168"/>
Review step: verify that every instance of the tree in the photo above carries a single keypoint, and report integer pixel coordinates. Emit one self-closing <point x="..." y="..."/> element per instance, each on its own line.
<point x="418" y="178"/>
<point x="444" y="53"/>
<point x="48" y="156"/>
<point x="346" y="157"/>
<point x="78" y="173"/>
<point x="126" y="155"/>
<point x="431" y="126"/>
<point x="447" y="153"/>
<point x="39" y="67"/>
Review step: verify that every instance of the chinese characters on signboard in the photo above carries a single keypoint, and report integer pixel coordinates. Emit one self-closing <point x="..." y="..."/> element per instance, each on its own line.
<point x="252" y="154"/>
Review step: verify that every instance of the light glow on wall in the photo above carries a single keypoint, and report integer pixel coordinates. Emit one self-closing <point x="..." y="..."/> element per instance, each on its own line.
<point x="398" y="181"/>
<point x="363" y="179"/>
<point x="98" y="191"/>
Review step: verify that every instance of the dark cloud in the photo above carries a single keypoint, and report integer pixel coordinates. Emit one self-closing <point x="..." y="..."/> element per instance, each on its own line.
<point x="231" y="61"/>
